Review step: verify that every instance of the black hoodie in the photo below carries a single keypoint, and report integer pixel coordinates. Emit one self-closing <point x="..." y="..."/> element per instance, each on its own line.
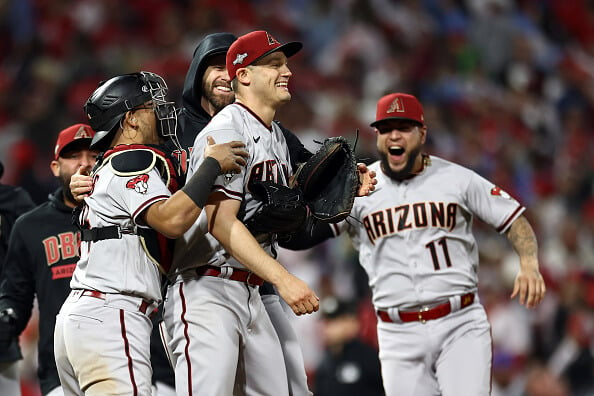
<point x="42" y="254"/>
<point x="193" y="118"/>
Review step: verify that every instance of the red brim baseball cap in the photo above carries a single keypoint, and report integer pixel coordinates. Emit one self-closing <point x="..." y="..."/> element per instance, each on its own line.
<point x="399" y="106"/>
<point x="253" y="46"/>
<point x="72" y="134"/>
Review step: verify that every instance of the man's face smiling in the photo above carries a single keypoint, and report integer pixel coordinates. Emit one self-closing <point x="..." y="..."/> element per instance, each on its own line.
<point x="399" y="143"/>
<point x="216" y="88"/>
<point x="270" y="77"/>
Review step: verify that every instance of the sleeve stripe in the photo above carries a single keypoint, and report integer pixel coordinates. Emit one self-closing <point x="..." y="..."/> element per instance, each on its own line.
<point x="510" y="219"/>
<point x="230" y="193"/>
<point x="147" y="204"/>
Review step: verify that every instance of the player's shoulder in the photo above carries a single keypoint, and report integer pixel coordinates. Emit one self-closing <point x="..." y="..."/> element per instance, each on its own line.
<point x="442" y="164"/>
<point x="132" y="162"/>
<point x="37" y="215"/>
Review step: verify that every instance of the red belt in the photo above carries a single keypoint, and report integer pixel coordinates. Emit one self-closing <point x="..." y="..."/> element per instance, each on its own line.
<point x="426" y="313"/>
<point x="237" y="275"/>
<point x="144" y="306"/>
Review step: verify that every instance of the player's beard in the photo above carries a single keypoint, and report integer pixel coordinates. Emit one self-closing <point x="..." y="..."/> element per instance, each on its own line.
<point x="217" y="101"/>
<point x="405" y="172"/>
<point x="68" y="197"/>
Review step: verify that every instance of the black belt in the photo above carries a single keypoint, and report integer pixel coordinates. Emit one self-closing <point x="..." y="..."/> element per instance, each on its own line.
<point x="100" y="233"/>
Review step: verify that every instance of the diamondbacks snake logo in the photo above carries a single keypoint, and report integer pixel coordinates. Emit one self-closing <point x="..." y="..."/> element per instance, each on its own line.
<point x="138" y="184"/>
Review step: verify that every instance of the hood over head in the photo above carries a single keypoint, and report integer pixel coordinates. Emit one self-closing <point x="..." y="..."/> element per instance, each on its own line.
<point x="213" y="44"/>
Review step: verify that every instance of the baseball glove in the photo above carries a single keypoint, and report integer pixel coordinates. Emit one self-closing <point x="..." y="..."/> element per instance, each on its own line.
<point x="329" y="180"/>
<point x="283" y="210"/>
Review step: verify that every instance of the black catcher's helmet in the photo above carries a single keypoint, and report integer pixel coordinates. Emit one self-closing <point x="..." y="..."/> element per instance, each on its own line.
<point x="118" y="95"/>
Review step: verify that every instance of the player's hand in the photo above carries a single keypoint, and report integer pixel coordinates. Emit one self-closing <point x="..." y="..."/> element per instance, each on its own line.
<point x="529" y="286"/>
<point x="81" y="183"/>
<point x="231" y="156"/>
<point x="7" y="331"/>
<point x="298" y="295"/>
<point x="367" y="180"/>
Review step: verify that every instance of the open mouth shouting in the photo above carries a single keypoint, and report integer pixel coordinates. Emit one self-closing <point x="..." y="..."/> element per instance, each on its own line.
<point x="396" y="153"/>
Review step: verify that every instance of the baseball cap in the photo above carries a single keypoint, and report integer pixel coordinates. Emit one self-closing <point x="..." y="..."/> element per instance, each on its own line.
<point x="399" y="106"/>
<point x="253" y="46"/>
<point x="72" y="134"/>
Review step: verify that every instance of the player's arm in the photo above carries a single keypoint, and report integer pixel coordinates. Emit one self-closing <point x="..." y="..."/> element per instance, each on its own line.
<point x="529" y="284"/>
<point x="175" y="215"/>
<point x="240" y="243"/>
<point x="17" y="289"/>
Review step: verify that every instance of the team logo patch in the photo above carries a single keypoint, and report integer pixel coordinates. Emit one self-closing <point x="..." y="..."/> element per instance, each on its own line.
<point x="82" y="133"/>
<point x="138" y="184"/>
<point x="499" y="192"/>
<point x="271" y="40"/>
<point x="239" y="59"/>
<point x="396" y="106"/>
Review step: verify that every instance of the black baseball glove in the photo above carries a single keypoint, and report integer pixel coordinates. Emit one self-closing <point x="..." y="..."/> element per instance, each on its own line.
<point x="282" y="212"/>
<point x="329" y="180"/>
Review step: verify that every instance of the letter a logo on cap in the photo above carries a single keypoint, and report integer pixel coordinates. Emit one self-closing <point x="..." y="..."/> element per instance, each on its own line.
<point x="82" y="133"/>
<point x="396" y="106"/>
<point x="271" y="40"/>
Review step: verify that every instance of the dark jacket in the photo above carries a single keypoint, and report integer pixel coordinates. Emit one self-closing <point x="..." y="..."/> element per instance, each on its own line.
<point x="42" y="254"/>
<point x="14" y="201"/>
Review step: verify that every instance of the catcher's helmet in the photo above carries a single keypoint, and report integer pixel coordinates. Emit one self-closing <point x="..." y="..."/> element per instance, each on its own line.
<point x="108" y="104"/>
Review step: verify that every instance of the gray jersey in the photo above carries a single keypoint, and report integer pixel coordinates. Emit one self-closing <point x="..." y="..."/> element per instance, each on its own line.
<point x="119" y="265"/>
<point x="415" y="237"/>
<point x="269" y="161"/>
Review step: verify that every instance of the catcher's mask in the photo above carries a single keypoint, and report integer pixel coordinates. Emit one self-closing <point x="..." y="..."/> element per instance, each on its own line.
<point x="113" y="98"/>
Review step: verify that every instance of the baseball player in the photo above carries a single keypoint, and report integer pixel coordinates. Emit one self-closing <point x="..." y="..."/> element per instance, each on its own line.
<point x="415" y="241"/>
<point x="207" y="90"/>
<point x="14" y="201"/>
<point x="102" y="334"/>
<point x="221" y="336"/>
<point x="42" y="254"/>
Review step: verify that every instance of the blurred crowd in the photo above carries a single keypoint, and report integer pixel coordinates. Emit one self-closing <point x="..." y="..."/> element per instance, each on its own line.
<point x="508" y="90"/>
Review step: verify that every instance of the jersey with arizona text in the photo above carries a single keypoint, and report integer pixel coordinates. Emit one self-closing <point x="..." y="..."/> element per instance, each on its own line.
<point x="414" y="237"/>
<point x="120" y="265"/>
<point x="268" y="161"/>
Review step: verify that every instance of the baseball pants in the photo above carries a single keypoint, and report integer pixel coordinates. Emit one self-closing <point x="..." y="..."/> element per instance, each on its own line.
<point x="221" y="339"/>
<point x="449" y="356"/>
<point x="102" y="347"/>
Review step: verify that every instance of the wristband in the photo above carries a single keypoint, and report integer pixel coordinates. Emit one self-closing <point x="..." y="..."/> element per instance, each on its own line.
<point x="199" y="186"/>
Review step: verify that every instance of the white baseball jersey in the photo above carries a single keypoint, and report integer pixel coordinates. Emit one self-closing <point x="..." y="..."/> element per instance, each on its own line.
<point x="245" y="343"/>
<point x="268" y="161"/>
<point x="120" y="265"/>
<point x="415" y="237"/>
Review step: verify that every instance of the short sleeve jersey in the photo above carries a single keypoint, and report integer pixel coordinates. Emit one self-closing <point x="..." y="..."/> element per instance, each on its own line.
<point x="415" y="238"/>
<point x="120" y="265"/>
<point x="268" y="161"/>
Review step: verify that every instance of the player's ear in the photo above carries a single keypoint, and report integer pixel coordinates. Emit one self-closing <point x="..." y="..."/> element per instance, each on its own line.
<point x="243" y="75"/>
<point x="55" y="167"/>
<point x="423" y="131"/>
<point x="130" y="118"/>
